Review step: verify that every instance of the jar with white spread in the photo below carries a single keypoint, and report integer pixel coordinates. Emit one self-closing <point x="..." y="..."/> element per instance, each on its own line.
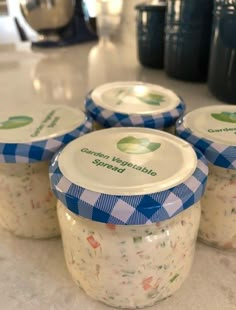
<point x="29" y="137"/>
<point x="129" y="215"/>
<point x="134" y="104"/>
<point x="213" y="130"/>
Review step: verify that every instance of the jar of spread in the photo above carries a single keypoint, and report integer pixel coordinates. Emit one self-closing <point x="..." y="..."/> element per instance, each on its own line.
<point x="129" y="215"/>
<point x="213" y="130"/>
<point x="29" y="137"/>
<point x="128" y="104"/>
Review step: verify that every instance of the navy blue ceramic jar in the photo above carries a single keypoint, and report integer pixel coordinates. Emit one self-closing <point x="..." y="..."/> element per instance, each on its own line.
<point x="187" y="39"/>
<point x="222" y="70"/>
<point x="150" y="34"/>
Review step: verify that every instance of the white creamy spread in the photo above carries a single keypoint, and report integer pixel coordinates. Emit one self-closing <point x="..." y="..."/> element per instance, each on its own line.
<point x="129" y="266"/>
<point x="218" y="221"/>
<point x="27" y="206"/>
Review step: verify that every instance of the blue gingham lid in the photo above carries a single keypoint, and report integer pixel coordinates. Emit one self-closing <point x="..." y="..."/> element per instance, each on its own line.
<point x="128" y="176"/>
<point x="31" y="133"/>
<point x="127" y="104"/>
<point x="212" y="130"/>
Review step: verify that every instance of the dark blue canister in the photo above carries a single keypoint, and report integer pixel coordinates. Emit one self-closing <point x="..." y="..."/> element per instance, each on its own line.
<point x="150" y="34"/>
<point x="222" y="70"/>
<point x="187" y="39"/>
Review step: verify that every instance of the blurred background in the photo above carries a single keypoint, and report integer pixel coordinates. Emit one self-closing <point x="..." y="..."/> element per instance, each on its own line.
<point x="11" y="10"/>
<point x="191" y="40"/>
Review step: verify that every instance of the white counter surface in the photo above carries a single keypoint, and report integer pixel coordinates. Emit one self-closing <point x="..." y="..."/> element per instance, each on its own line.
<point x="33" y="275"/>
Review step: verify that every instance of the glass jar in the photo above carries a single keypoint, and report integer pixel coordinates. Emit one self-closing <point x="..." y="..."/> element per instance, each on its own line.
<point x="129" y="231"/>
<point x="218" y="221"/>
<point x="28" y="207"/>
<point x="146" y="262"/>
<point x="212" y="130"/>
<point x="150" y="34"/>
<point x="222" y="69"/>
<point x="134" y="104"/>
<point x="28" y="140"/>
<point x="187" y="38"/>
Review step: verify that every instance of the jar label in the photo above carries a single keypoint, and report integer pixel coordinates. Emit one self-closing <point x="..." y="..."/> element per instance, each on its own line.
<point x="215" y="123"/>
<point x="128" y="161"/>
<point x="135" y="98"/>
<point x="25" y="123"/>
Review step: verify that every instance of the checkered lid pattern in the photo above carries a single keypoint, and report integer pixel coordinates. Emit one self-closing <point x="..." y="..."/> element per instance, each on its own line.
<point x="109" y="118"/>
<point x="40" y="150"/>
<point x="216" y="153"/>
<point x="129" y="210"/>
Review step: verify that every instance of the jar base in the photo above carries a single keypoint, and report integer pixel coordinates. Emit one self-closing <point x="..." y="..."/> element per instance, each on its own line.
<point x="143" y="307"/>
<point x="128" y="307"/>
<point x="111" y="305"/>
<point x="215" y="245"/>
<point x="32" y="237"/>
<point x="79" y="286"/>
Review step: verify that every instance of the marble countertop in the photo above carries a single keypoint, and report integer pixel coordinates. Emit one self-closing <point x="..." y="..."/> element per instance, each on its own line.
<point x="64" y="76"/>
<point x="33" y="275"/>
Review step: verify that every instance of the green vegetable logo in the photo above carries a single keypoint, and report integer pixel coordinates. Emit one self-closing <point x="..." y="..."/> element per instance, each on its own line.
<point x="16" y="122"/>
<point x="228" y="117"/>
<point x="132" y="145"/>
<point x="152" y="99"/>
<point x="148" y="98"/>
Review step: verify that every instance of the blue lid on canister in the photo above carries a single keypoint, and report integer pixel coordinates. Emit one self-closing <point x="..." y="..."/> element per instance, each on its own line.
<point x="127" y="104"/>
<point x="32" y="133"/>
<point x="128" y="176"/>
<point x="212" y="130"/>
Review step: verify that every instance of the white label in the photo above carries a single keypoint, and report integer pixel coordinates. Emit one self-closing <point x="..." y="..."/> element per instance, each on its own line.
<point x="215" y="123"/>
<point x="135" y="98"/>
<point x="25" y="123"/>
<point x="128" y="161"/>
